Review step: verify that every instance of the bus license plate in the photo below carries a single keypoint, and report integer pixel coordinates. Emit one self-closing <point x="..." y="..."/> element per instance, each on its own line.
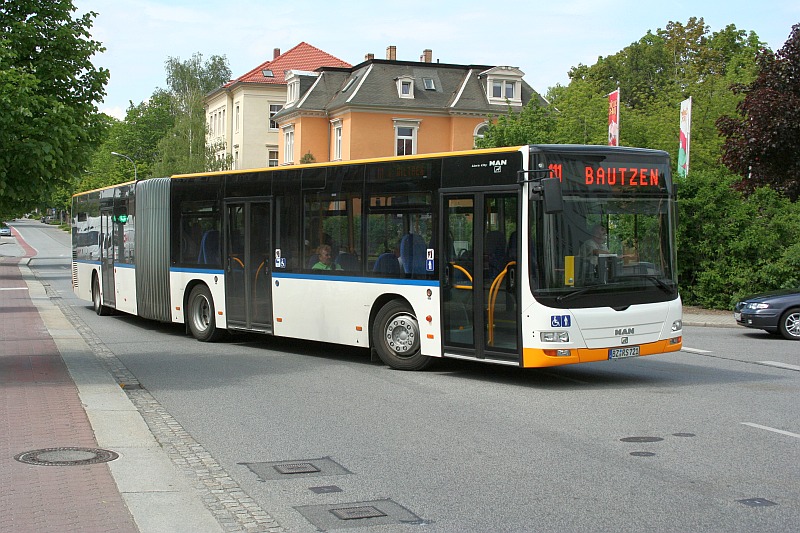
<point x="619" y="353"/>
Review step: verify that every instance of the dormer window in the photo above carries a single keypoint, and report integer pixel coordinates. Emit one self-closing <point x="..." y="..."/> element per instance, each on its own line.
<point x="405" y="87"/>
<point x="429" y="85"/>
<point x="503" y="85"/>
<point x="292" y="91"/>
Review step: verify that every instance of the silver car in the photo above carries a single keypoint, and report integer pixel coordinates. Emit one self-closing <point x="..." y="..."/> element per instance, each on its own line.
<point x="5" y="231"/>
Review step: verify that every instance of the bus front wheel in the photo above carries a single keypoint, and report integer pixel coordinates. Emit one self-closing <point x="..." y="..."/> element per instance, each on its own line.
<point x="97" y="300"/>
<point x="395" y="337"/>
<point x="201" y="315"/>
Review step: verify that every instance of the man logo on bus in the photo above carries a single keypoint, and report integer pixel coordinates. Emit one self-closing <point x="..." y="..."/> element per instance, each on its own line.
<point x="498" y="163"/>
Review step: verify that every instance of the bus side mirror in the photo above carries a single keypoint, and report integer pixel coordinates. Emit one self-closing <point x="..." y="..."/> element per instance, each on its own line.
<point x="551" y="196"/>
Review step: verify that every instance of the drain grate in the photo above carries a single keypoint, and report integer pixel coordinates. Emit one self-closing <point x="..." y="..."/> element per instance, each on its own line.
<point x="357" y="513"/>
<point x="296" y="468"/>
<point x="66" y="456"/>
<point x="347" y="515"/>
<point x="757" y="502"/>
<point x="642" y="454"/>
<point x="684" y="435"/>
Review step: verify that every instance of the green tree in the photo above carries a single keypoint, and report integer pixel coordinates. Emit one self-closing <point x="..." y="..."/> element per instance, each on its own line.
<point x="762" y="143"/>
<point x="183" y="148"/>
<point x="49" y="87"/>
<point x="533" y="124"/>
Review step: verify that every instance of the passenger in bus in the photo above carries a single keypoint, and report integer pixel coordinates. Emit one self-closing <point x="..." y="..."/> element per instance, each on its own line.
<point x="325" y="259"/>
<point x="595" y="246"/>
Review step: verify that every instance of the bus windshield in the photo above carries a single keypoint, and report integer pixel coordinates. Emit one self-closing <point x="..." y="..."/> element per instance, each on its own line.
<point x="611" y="244"/>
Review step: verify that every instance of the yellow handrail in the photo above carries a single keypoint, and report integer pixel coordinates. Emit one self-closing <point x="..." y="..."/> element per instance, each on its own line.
<point x="493" y="291"/>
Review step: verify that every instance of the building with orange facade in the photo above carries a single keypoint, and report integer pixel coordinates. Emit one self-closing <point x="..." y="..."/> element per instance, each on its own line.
<point x="387" y="107"/>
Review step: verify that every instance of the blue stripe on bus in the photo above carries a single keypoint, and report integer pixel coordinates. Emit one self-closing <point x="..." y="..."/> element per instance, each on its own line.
<point x="124" y="265"/>
<point x="196" y="270"/>
<point x="358" y="279"/>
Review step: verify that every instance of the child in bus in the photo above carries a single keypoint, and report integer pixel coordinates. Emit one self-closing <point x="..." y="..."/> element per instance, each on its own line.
<point x="325" y="259"/>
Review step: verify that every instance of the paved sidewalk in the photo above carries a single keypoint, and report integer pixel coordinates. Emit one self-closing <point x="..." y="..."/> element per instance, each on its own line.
<point x="54" y="393"/>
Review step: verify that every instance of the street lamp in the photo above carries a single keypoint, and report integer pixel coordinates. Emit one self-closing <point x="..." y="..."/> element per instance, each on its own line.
<point x="135" y="175"/>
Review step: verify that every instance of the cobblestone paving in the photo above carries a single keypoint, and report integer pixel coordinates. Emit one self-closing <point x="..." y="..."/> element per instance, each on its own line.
<point x="221" y="494"/>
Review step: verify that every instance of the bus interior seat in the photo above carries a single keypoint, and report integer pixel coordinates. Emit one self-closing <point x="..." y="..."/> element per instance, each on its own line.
<point x="387" y="263"/>
<point x="348" y="261"/>
<point x="413" y="253"/>
<point x="209" y="248"/>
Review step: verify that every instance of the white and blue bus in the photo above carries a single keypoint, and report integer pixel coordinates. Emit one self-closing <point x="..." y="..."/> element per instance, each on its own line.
<point x="528" y="256"/>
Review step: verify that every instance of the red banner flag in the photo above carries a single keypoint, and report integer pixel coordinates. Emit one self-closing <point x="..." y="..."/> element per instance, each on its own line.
<point x="613" y="118"/>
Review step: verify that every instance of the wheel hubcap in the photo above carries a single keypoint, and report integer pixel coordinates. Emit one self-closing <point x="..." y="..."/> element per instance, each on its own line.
<point x="793" y="324"/>
<point x="401" y="334"/>
<point x="202" y="314"/>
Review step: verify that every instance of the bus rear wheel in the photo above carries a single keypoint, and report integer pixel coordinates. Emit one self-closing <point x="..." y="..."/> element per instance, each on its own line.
<point x="395" y="337"/>
<point x="97" y="299"/>
<point x="201" y="315"/>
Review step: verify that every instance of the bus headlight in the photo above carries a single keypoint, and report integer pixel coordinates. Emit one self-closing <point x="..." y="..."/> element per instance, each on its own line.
<point x="677" y="325"/>
<point x="554" y="336"/>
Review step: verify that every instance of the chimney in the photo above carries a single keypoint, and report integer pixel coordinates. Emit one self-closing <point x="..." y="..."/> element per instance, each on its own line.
<point x="427" y="56"/>
<point x="391" y="53"/>
<point x="275" y="53"/>
<point x="369" y="57"/>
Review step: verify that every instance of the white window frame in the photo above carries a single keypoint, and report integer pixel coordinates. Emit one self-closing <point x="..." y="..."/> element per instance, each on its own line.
<point x="288" y="144"/>
<point x="509" y="79"/>
<point x="405" y="81"/>
<point x="237" y="115"/>
<point x="273" y="126"/>
<point x="477" y="133"/>
<point x="406" y="123"/>
<point x="337" y="139"/>
<point x="272" y="162"/>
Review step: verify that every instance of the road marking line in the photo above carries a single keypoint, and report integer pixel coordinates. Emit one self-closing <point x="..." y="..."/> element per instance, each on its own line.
<point x="795" y="435"/>
<point x="780" y="365"/>
<point x="13" y="288"/>
<point x="695" y="350"/>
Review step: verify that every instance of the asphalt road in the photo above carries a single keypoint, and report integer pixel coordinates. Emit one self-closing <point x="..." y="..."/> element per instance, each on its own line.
<point x="707" y="439"/>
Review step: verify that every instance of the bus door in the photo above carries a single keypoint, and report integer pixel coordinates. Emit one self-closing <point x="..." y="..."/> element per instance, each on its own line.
<point x="248" y="296"/>
<point x="480" y="317"/>
<point x="107" y="240"/>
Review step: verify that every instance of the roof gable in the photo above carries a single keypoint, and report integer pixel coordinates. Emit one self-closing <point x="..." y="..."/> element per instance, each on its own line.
<point x="301" y="57"/>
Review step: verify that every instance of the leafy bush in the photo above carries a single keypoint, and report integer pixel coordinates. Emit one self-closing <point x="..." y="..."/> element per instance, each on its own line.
<point x="730" y="245"/>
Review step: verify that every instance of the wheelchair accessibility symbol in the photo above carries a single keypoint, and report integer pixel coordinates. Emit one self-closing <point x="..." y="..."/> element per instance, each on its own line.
<point x="560" y="321"/>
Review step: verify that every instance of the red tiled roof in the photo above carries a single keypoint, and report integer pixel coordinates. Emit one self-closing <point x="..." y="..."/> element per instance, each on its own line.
<point x="301" y="57"/>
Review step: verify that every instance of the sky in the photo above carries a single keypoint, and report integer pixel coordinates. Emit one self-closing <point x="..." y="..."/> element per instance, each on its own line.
<point x="545" y="41"/>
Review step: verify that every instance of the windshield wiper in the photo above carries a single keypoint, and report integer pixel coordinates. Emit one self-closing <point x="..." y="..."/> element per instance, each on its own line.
<point x="655" y="279"/>
<point x="576" y="292"/>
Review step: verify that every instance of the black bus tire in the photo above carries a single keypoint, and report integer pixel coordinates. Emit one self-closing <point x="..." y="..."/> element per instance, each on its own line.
<point x="201" y="316"/>
<point x="396" y="337"/>
<point x="97" y="300"/>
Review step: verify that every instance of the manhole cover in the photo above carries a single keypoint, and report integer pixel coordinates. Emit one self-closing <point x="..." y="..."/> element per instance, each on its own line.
<point x="66" y="456"/>
<point x="641" y="439"/>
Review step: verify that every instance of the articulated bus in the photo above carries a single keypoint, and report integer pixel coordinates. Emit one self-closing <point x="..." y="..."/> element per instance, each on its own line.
<point x="529" y="256"/>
